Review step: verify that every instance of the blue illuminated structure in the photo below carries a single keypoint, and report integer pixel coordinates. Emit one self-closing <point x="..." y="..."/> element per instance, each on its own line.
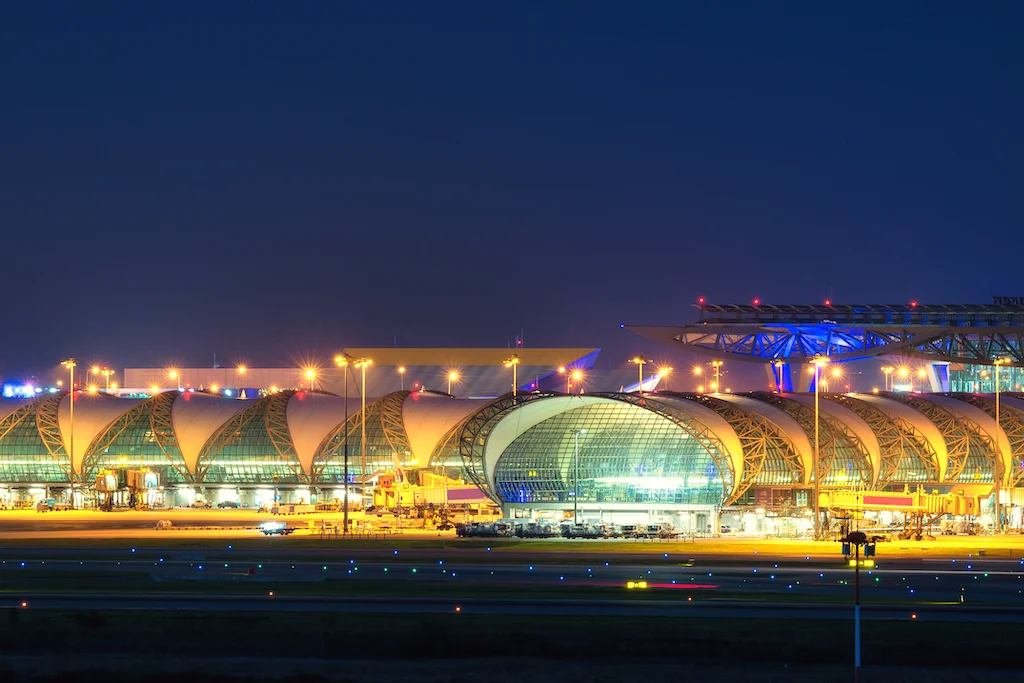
<point x="794" y="334"/>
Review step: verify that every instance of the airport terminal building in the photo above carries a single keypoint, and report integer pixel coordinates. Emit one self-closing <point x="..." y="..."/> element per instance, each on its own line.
<point x="617" y="456"/>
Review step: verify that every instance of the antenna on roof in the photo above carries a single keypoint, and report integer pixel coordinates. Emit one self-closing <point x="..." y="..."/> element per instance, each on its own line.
<point x="215" y="361"/>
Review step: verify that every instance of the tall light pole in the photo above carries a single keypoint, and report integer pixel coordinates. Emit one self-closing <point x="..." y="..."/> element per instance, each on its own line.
<point x="107" y="372"/>
<point x="576" y="475"/>
<point x="310" y="374"/>
<point x="577" y="378"/>
<point x="401" y="376"/>
<point x="562" y="370"/>
<point x="452" y="377"/>
<point x="176" y="376"/>
<point x="362" y="364"/>
<point x="997" y="475"/>
<point x="70" y="364"/>
<point x="717" y="365"/>
<point x="640" y="363"/>
<point x="342" y="360"/>
<point x="663" y="373"/>
<point x="818" y="362"/>
<point x="887" y="370"/>
<point x="513" y="362"/>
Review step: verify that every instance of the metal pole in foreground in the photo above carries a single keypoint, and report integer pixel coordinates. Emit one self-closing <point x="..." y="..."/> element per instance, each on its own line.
<point x="997" y="472"/>
<point x="817" y="460"/>
<point x="576" y="478"/>
<point x="856" y="615"/>
<point x="856" y="539"/>
<point x="345" y="430"/>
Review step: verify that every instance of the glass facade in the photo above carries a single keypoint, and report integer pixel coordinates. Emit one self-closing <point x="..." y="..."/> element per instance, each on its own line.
<point x="380" y="453"/>
<point x="982" y="378"/>
<point x="23" y="456"/>
<point x="248" y="454"/>
<point x="609" y="453"/>
<point x="136" y="446"/>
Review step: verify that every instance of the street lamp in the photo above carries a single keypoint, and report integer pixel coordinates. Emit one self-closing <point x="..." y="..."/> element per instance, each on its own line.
<point x="857" y="539"/>
<point x="401" y="376"/>
<point x="342" y="360"/>
<point x="717" y="365"/>
<point x="513" y="362"/>
<point x="362" y="364"/>
<point x="818" y="362"/>
<point x="998" y="471"/>
<point x="176" y="376"/>
<point x="576" y="475"/>
<point x="887" y="370"/>
<point x="577" y="378"/>
<point x="640" y="363"/>
<point x="70" y="364"/>
<point x="904" y="373"/>
<point x="310" y="374"/>
<point x="453" y="376"/>
<point x="663" y="373"/>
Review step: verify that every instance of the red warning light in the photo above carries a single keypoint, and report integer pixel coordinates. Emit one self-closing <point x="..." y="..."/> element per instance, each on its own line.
<point x="828" y="302"/>
<point x="913" y="304"/>
<point x="757" y="302"/>
<point x="700" y="300"/>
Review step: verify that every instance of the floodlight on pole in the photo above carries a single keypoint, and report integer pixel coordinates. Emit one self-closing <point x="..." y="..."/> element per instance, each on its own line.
<point x="513" y="362"/>
<point x="70" y="364"/>
<point x="818" y="362"/>
<point x="343" y="361"/>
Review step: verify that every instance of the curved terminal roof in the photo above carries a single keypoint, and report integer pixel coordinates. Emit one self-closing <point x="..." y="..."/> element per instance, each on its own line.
<point x="921" y="423"/>
<point x="853" y="422"/>
<point x="985" y="422"/>
<point x="196" y="417"/>
<point x="789" y="426"/>
<point x="428" y="417"/>
<point x="311" y="417"/>
<point x="716" y="424"/>
<point x="93" y="412"/>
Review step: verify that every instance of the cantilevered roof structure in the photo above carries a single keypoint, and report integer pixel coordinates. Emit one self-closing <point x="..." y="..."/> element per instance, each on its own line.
<point x="765" y="333"/>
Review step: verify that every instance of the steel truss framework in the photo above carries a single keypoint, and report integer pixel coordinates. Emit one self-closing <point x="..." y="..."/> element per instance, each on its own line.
<point x="272" y="410"/>
<point x="977" y="334"/>
<point x="958" y="432"/>
<point x="447" y="447"/>
<point x="387" y="409"/>
<point x="692" y="426"/>
<point x="27" y="413"/>
<point x="49" y="430"/>
<point x="158" y="411"/>
<point x="766" y="447"/>
<point x="904" y="448"/>
<point x="832" y="435"/>
<point x="1011" y="421"/>
<point x="478" y="427"/>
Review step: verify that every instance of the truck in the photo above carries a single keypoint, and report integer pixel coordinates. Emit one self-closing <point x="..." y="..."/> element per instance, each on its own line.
<point x="51" y="505"/>
<point x="292" y="509"/>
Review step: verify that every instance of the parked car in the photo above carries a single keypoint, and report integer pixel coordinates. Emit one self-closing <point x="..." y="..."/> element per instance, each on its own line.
<point x="202" y="504"/>
<point x="228" y="504"/>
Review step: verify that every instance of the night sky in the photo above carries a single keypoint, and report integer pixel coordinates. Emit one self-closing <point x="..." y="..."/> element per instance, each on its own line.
<point x="274" y="181"/>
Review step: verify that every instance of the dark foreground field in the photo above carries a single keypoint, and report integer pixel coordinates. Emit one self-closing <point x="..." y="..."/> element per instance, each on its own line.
<point x="116" y="646"/>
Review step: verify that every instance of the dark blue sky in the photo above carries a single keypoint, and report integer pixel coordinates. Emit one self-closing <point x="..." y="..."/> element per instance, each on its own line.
<point x="266" y="181"/>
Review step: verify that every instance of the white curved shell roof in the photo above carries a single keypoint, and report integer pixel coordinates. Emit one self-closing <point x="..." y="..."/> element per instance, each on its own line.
<point x="93" y="412"/>
<point x="428" y="417"/>
<point x="311" y="417"/>
<point x="196" y="417"/>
